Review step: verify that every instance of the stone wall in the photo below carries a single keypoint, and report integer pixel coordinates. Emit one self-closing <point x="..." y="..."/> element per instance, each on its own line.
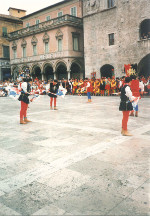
<point x="124" y="21"/>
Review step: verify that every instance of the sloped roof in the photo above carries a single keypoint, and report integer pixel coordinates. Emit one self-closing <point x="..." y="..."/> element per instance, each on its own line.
<point x="10" y="18"/>
<point x="16" y="9"/>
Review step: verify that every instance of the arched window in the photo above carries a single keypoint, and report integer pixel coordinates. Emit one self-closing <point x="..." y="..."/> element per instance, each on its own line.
<point x="145" y="29"/>
<point x="144" y="66"/>
<point x="107" y="71"/>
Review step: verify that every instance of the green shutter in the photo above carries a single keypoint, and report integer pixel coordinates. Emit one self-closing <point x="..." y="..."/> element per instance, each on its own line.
<point x="6" y="52"/>
<point x="47" y="18"/>
<point x="24" y="52"/>
<point x="76" y="43"/>
<point x="73" y="11"/>
<point x="34" y="50"/>
<point x="4" y="32"/>
<point x="46" y="47"/>
<point x="59" y="45"/>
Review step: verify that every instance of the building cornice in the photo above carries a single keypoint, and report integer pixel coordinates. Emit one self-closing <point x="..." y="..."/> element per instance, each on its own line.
<point x="45" y="57"/>
<point x="47" y="8"/>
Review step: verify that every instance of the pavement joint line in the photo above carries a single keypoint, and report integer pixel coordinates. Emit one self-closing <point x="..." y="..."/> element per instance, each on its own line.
<point x="144" y="129"/>
<point x="92" y="129"/>
<point x="25" y="178"/>
<point x="7" y="210"/>
<point x="126" y="197"/>
<point x="1" y="193"/>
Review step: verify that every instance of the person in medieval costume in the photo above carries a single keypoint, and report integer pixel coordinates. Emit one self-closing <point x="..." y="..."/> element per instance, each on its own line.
<point x="136" y="88"/>
<point x="88" y="89"/>
<point x="25" y="88"/>
<point x="53" y="90"/>
<point x="126" y="105"/>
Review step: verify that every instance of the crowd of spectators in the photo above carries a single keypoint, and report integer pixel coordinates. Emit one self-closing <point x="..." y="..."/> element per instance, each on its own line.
<point x="99" y="87"/>
<point x="103" y="87"/>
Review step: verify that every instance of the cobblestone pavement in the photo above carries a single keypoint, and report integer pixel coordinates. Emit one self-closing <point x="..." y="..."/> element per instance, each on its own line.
<point x="74" y="161"/>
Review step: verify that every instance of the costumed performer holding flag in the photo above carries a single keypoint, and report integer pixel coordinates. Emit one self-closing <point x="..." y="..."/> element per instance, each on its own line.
<point x="126" y="105"/>
<point x="53" y="89"/>
<point x="137" y="88"/>
<point x="88" y="89"/>
<point x="61" y="91"/>
<point x="25" y="88"/>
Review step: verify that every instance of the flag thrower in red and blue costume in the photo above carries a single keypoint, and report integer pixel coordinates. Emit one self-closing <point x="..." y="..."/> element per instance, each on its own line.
<point x="55" y="89"/>
<point x="137" y="88"/>
<point x="24" y="99"/>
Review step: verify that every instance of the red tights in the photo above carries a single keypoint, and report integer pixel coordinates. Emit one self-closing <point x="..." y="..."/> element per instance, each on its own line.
<point x="51" y="101"/>
<point x="102" y="92"/>
<point x="125" y="119"/>
<point x="23" y="111"/>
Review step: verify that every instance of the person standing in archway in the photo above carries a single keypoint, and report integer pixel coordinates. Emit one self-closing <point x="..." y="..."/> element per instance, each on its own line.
<point x="107" y="86"/>
<point x="75" y="84"/>
<point x="113" y="85"/>
<point x="102" y="86"/>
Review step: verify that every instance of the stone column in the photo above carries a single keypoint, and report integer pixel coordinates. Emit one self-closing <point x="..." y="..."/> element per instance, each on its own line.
<point x="43" y="76"/>
<point x="0" y="74"/>
<point x="68" y="74"/>
<point x="55" y="75"/>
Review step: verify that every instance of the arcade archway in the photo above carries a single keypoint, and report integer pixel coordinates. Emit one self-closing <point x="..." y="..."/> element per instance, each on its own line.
<point x="26" y="69"/>
<point x="144" y="66"/>
<point x="145" y="29"/>
<point x="61" y="72"/>
<point x="48" y="72"/>
<point x="75" y="71"/>
<point x="36" y="72"/>
<point x="107" y="71"/>
<point x="15" y="73"/>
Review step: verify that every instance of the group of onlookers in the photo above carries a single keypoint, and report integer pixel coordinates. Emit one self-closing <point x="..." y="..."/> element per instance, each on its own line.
<point x="102" y="87"/>
<point x="99" y="87"/>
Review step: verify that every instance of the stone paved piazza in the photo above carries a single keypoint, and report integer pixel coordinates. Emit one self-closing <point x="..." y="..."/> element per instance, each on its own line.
<point x="74" y="161"/>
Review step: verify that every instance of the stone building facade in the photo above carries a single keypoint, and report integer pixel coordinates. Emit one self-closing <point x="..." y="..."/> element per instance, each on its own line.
<point x="50" y="45"/>
<point x="8" y="23"/>
<point x="116" y="33"/>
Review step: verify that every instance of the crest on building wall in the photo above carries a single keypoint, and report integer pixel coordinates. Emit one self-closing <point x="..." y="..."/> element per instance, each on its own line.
<point x="14" y="45"/>
<point x="34" y="40"/>
<point x="23" y="43"/>
<point x="59" y="34"/>
<point x="91" y="6"/>
<point x="46" y="37"/>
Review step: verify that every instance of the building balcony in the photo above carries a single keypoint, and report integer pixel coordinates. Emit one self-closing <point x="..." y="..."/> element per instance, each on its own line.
<point x="45" y="26"/>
